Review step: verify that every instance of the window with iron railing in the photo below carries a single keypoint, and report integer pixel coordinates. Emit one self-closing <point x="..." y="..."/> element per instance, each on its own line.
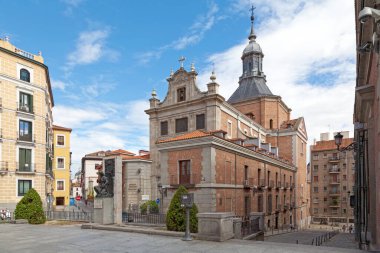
<point x="25" y="102"/>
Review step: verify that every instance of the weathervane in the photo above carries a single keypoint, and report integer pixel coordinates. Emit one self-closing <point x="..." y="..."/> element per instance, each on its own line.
<point x="252" y="9"/>
<point x="181" y="60"/>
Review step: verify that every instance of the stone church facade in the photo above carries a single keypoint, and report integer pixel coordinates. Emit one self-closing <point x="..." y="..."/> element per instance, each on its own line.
<point x="240" y="155"/>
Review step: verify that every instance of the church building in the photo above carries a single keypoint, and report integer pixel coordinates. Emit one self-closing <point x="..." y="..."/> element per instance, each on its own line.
<point x="241" y="155"/>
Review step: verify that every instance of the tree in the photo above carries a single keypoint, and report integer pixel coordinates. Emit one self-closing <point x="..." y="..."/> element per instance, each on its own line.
<point x="30" y="208"/>
<point x="176" y="216"/>
<point x="153" y="207"/>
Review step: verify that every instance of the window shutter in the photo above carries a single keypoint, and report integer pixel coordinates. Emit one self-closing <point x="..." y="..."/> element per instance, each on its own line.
<point x="30" y="103"/>
<point x="28" y="157"/>
<point x="21" y="158"/>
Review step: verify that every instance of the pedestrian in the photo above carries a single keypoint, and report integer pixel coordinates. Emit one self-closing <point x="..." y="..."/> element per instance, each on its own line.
<point x="344" y="228"/>
<point x="350" y="229"/>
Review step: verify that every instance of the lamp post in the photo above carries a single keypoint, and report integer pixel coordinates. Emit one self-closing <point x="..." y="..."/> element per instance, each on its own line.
<point x="163" y="191"/>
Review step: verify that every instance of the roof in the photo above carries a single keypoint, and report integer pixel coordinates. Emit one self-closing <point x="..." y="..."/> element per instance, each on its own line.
<point x="113" y="152"/>
<point x="330" y="145"/>
<point x="187" y="136"/>
<point x="137" y="157"/>
<point x="250" y="88"/>
<point x="55" y="127"/>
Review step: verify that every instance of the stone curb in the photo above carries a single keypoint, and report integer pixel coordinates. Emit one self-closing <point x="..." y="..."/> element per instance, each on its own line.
<point x="135" y="230"/>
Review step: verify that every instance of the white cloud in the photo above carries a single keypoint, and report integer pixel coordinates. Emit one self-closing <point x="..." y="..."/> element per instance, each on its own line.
<point x="91" y="47"/>
<point x="103" y="126"/>
<point x="70" y="5"/>
<point x="196" y="33"/>
<point x="309" y="49"/>
<point x="58" y="84"/>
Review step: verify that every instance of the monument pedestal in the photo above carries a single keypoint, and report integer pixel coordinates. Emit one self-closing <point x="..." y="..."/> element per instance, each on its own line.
<point x="103" y="211"/>
<point x="215" y="226"/>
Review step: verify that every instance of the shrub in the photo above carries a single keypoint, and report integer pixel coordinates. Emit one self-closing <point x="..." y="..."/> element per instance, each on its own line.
<point x="30" y="208"/>
<point x="176" y="216"/>
<point x="153" y="207"/>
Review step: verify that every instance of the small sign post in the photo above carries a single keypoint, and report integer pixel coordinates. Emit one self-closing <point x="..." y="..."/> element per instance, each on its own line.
<point x="187" y="201"/>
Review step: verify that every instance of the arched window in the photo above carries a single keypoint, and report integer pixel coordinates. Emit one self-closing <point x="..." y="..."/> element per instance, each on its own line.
<point x="25" y="75"/>
<point x="271" y="123"/>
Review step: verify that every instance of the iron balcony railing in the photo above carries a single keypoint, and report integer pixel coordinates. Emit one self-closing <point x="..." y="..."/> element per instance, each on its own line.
<point x="271" y="184"/>
<point x="337" y="192"/>
<point x="334" y="170"/>
<point x="25" y="108"/>
<point x="334" y="159"/>
<point x="26" y="137"/>
<point x="25" y="167"/>
<point x="261" y="182"/>
<point x="279" y="207"/>
<point x="334" y="181"/>
<point x="334" y="204"/>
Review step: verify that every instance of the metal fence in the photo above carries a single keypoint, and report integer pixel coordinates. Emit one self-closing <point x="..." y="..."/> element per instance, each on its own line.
<point x="69" y="216"/>
<point x="154" y="219"/>
<point x="250" y="226"/>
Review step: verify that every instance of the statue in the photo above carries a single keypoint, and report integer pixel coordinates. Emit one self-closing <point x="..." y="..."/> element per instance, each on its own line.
<point x="105" y="185"/>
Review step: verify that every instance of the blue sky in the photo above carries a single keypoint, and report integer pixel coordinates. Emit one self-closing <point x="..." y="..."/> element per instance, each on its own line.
<point x="106" y="56"/>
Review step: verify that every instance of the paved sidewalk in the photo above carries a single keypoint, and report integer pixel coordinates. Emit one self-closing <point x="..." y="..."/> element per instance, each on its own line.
<point x="303" y="237"/>
<point x="343" y="240"/>
<point x="61" y="239"/>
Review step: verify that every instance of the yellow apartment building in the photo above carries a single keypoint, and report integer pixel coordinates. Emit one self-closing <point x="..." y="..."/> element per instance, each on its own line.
<point x="61" y="166"/>
<point x="26" y="102"/>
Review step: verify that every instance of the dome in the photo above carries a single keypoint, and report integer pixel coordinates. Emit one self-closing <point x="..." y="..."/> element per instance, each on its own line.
<point x="252" y="47"/>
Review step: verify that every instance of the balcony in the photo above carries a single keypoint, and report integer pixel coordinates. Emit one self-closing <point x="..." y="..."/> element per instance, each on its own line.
<point x="286" y="207"/>
<point x="246" y="183"/>
<point x="25" y="108"/>
<point x="334" y="159"/>
<point x="334" y="181"/>
<point x="334" y="170"/>
<point x="334" y="192"/>
<point x="292" y="186"/>
<point x="189" y="181"/>
<point x="278" y="185"/>
<point x="315" y="201"/>
<point x="25" y="138"/>
<point x="25" y="168"/>
<point x="3" y="168"/>
<point x="334" y="204"/>
<point x="261" y="183"/>
<point x="270" y="185"/>
<point x="279" y="208"/>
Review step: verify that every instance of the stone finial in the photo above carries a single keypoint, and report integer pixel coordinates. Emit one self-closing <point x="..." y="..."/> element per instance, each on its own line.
<point x="154" y="93"/>
<point x="171" y="72"/>
<point x="39" y="53"/>
<point x="192" y="68"/>
<point x="213" y="76"/>
<point x="6" y="38"/>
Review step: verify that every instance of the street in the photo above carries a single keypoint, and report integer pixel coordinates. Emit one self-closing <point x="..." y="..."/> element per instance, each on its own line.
<point x="71" y="238"/>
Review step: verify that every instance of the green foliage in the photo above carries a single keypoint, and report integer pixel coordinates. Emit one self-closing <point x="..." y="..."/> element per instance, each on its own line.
<point x="153" y="207"/>
<point x="30" y="208"/>
<point x="176" y="216"/>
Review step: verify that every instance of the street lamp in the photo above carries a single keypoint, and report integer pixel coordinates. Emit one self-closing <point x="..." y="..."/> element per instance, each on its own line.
<point x="163" y="191"/>
<point x="338" y="141"/>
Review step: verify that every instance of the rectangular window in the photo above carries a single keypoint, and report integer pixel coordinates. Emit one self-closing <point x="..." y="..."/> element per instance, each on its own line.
<point x="315" y="179"/>
<point x="260" y="203"/>
<point x="60" y="163"/>
<point x="315" y="189"/>
<point x="60" y="140"/>
<point x="181" y="125"/>
<point x="315" y="157"/>
<point x="184" y="172"/>
<point x="164" y="128"/>
<point x="25" y="160"/>
<point x="25" y="130"/>
<point x="201" y="121"/>
<point x="229" y="128"/>
<point x="24" y="186"/>
<point x="315" y="168"/>
<point x="60" y="201"/>
<point x="26" y="102"/>
<point x="181" y="94"/>
<point x="60" y="185"/>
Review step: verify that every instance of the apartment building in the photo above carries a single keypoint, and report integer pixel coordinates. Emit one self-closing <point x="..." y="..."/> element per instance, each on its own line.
<point x="26" y="102"/>
<point x="61" y="166"/>
<point x="332" y="181"/>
